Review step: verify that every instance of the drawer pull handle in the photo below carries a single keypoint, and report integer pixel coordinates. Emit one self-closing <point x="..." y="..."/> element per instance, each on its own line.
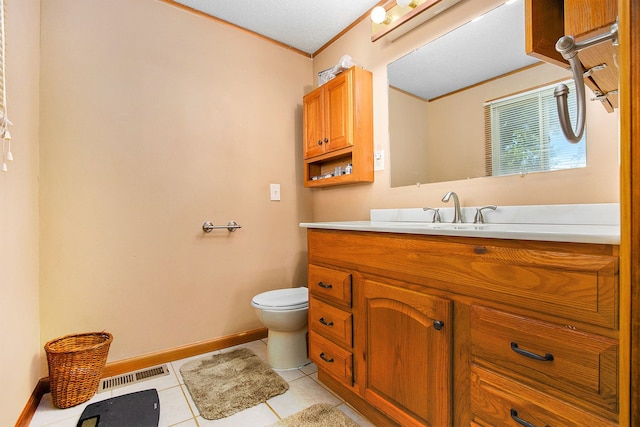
<point x="546" y="358"/>
<point x="325" y="285"/>
<point x="516" y="418"/>
<point x="324" y="322"/>
<point x="480" y="250"/>
<point x="323" y="357"/>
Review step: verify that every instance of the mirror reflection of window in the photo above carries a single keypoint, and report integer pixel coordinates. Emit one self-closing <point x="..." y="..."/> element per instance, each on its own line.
<point x="523" y="134"/>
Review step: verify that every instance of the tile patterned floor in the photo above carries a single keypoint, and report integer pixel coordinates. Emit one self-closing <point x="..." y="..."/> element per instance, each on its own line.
<point x="177" y="407"/>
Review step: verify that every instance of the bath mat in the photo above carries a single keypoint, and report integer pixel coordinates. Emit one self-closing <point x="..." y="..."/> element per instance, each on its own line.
<point x="320" y="415"/>
<point x="226" y="383"/>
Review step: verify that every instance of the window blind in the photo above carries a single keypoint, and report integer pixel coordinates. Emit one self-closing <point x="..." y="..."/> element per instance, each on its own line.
<point x="523" y="134"/>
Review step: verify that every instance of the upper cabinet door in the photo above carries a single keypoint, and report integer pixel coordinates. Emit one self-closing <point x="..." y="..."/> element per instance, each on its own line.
<point x="329" y="116"/>
<point x="314" y="135"/>
<point x="339" y="110"/>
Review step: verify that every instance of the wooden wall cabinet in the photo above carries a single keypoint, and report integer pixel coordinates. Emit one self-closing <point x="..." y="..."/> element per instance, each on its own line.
<point x="338" y="129"/>
<point x="548" y="20"/>
<point x="453" y="331"/>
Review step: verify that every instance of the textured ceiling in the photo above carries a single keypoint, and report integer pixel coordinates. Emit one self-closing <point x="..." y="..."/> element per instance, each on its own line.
<point x="475" y="52"/>
<point x="306" y="25"/>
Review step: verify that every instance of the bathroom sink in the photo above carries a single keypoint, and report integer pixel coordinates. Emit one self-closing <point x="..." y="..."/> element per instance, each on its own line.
<point x="456" y="226"/>
<point x="429" y="225"/>
<point x="597" y="223"/>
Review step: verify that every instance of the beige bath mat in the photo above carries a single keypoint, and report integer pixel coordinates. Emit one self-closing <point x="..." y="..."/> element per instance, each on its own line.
<point x="226" y="383"/>
<point x="320" y="415"/>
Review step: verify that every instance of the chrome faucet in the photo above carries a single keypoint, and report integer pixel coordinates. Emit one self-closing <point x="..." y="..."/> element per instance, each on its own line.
<point x="479" y="218"/>
<point x="457" y="215"/>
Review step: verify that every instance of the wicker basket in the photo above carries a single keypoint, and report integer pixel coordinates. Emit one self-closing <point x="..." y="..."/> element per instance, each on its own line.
<point x="76" y="363"/>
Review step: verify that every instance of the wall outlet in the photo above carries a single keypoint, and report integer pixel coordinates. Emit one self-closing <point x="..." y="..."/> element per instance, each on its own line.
<point x="274" y="191"/>
<point x="378" y="160"/>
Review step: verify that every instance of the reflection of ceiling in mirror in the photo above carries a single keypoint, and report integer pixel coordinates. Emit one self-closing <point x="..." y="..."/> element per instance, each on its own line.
<point x="477" y="51"/>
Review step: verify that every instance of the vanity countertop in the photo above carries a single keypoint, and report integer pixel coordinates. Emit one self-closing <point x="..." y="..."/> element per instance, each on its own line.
<point x="561" y="223"/>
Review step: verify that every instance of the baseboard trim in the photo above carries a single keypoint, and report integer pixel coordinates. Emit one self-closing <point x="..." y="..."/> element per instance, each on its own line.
<point x="145" y="361"/>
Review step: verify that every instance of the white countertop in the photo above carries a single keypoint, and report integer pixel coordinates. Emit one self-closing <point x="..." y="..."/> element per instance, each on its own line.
<point x="559" y="223"/>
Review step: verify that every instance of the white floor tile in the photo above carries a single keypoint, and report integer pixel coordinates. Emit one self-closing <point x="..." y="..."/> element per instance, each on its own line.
<point x="173" y="407"/>
<point x="257" y="416"/>
<point x="355" y="416"/>
<point x="302" y="393"/>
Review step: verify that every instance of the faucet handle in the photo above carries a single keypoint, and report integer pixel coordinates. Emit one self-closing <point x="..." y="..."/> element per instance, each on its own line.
<point x="479" y="218"/>
<point x="436" y="214"/>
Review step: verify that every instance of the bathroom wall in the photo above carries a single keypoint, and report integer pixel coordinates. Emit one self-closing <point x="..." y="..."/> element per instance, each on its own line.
<point x="155" y="119"/>
<point x="20" y="330"/>
<point x="597" y="183"/>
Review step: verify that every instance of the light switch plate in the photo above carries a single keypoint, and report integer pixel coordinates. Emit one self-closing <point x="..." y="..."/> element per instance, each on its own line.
<point x="274" y="190"/>
<point x="378" y="160"/>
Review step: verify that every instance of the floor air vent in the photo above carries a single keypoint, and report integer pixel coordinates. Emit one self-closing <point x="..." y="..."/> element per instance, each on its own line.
<point x="132" y="377"/>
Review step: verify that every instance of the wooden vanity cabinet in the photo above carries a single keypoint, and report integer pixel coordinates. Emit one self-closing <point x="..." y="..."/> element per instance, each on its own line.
<point x="338" y="129"/>
<point x="528" y="331"/>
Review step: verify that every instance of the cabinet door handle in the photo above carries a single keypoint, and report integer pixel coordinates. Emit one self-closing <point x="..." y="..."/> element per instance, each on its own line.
<point x="438" y="324"/>
<point x="324" y="322"/>
<point x="325" y="285"/>
<point x="546" y="358"/>
<point x="516" y="418"/>
<point x="326" y="140"/>
<point x="319" y="142"/>
<point x="323" y="357"/>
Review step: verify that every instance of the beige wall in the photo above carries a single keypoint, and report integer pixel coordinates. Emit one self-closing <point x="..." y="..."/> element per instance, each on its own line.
<point x="409" y="124"/>
<point x="20" y="330"/>
<point x="154" y="120"/>
<point x="134" y="123"/>
<point x="598" y="183"/>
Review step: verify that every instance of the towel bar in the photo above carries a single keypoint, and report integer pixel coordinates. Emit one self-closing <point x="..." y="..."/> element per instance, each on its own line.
<point x="208" y="226"/>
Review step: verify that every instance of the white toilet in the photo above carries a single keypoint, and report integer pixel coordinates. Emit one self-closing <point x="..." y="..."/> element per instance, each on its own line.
<point x="284" y="313"/>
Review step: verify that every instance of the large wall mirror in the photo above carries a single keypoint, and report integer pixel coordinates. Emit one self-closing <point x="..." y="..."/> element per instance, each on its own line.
<point x="466" y="104"/>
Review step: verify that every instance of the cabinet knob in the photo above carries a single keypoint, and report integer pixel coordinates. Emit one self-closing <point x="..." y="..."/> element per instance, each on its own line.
<point x="438" y="324"/>
<point x="326" y="140"/>
<point x="480" y="250"/>
<point x="319" y="142"/>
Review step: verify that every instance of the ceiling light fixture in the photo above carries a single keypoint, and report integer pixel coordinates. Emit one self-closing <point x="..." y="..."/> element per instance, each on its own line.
<point x="404" y="3"/>
<point x="379" y="15"/>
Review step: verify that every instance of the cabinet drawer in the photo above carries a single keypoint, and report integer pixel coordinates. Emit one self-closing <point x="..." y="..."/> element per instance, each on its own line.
<point x="498" y="401"/>
<point x="329" y="283"/>
<point x="331" y="358"/>
<point x="331" y="322"/>
<point x="552" y="358"/>
<point x="574" y="282"/>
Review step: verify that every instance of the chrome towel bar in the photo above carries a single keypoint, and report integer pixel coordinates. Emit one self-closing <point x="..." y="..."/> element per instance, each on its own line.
<point x="569" y="49"/>
<point x="208" y="226"/>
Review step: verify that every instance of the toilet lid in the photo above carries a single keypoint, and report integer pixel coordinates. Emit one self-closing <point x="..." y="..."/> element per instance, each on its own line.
<point x="290" y="299"/>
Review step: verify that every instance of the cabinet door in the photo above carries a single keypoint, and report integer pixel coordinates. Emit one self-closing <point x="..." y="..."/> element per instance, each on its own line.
<point x="339" y="109"/>
<point x="313" y="118"/>
<point x="408" y="354"/>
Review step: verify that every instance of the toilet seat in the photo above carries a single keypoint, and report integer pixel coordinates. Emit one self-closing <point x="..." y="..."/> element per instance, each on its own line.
<point x="282" y="299"/>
